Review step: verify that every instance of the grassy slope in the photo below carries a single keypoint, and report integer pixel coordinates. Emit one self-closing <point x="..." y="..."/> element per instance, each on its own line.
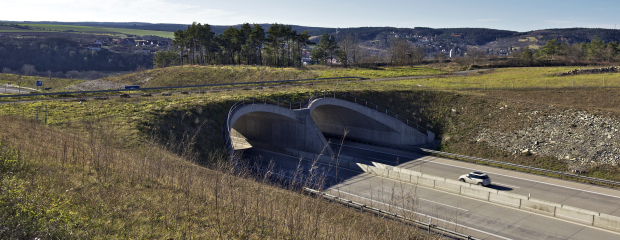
<point x="196" y="75"/>
<point x="95" y="174"/>
<point x="386" y="72"/>
<point x="59" y="186"/>
<point x="149" y="169"/>
<point x="100" y="30"/>
<point x="520" y="78"/>
<point x="56" y="84"/>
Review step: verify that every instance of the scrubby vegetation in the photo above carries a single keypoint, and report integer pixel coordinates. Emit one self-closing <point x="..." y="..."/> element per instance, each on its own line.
<point x="154" y="168"/>
<point x="87" y="175"/>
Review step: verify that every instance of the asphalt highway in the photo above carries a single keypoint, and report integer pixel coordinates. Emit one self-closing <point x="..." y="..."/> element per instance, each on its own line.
<point x="12" y="90"/>
<point x="580" y="195"/>
<point x="473" y="217"/>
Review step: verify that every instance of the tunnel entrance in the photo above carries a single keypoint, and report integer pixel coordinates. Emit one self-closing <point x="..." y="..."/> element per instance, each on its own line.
<point x="276" y="132"/>
<point x="334" y="120"/>
<point x="371" y="125"/>
<point x="302" y="132"/>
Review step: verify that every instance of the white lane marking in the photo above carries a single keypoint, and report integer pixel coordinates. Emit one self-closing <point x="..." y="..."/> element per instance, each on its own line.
<point x="525" y="179"/>
<point x="421" y="214"/>
<point x="503" y="185"/>
<point x="444" y="204"/>
<point x="424" y="215"/>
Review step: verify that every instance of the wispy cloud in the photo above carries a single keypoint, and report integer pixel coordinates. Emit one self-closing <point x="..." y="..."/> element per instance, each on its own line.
<point x="488" y="20"/>
<point x="111" y="10"/>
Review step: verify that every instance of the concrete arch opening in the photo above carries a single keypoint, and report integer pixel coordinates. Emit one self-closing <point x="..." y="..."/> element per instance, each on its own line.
<point x="335" y="116"/>
<point x="302" y="132"/>
<point x="277" y="129"/>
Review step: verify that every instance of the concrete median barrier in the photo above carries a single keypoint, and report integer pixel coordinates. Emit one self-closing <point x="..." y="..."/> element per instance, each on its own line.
<point x="539" y="206"/>
<point x="607" y="222"/>
<point x="375" y="170"/>
<point x="358" y="166"/>
<point x="575" y="214"/>
<point x="439" y="179"/>
<point x="448" y="186"/>
<point x="410" y="172"/>
<point x="511" y="200"/>
<point x="404" y="177"/>
<point x="425" y="182"/>
<point x="381" y="165"/>
<point x="477" y="192"/>
<point x="557" y="210"/>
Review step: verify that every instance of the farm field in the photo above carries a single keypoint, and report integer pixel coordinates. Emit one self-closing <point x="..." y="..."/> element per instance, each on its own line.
<point x="41" y="28"/>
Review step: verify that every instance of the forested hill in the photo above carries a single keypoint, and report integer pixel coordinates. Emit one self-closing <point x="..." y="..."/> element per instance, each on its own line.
<point x="172" y="27"/>
<point x="577" y="35"/>
<point x="467" y="36"/>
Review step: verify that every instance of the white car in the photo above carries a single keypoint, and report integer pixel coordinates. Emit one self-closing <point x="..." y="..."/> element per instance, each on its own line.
<point x="476" y="178"/>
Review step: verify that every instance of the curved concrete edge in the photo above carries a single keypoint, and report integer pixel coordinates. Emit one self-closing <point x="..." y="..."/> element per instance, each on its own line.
<point x="309" y="127"/>
<point x="417" y="136"/>
<point x="525" y="203"/>
<point x="243" y="110"/>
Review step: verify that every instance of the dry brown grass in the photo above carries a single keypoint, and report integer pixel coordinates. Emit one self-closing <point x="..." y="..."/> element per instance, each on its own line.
<point x="76" y="186"/>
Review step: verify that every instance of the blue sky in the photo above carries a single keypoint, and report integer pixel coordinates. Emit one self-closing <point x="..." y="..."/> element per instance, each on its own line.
<point x="523" y="15"/>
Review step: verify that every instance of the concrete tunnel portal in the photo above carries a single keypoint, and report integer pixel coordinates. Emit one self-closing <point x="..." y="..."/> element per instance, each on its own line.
<point x="303" y="132"/>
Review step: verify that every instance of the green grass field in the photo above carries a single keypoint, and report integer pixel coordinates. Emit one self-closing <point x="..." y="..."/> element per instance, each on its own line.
<point x="73" y="176"/>
<point x="197" y="75"/>
<point x="90" y="30"/>
<point x="383" y="72"/>
<point x="507" y="78"/>
<point x="57" y="84"/>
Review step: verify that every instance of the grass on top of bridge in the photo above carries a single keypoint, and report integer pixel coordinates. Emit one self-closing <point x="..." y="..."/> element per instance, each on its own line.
<point x="382" y="72"/>
<point x="519" y="78"/>
<point x="200" y="75"/>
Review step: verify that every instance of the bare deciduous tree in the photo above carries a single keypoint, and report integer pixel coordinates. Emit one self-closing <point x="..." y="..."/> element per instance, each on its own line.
<point x="403" y="53"/>
<point x="474" y="55"/>
<point x="29" y="70"/>
<point x="346" y="43"/>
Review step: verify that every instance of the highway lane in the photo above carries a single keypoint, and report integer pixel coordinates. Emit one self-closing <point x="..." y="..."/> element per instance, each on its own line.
<point x="7" y="90"/>
<point x="585" y="196"/>
<point x="476" y="218"/>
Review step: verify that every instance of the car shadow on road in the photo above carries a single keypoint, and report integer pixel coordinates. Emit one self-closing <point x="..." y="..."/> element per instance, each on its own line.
<point x="499" y="188"/>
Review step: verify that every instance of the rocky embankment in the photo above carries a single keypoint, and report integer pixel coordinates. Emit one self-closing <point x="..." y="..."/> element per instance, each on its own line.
<point x="591" y="71"/>
<point x="582" y="139"/>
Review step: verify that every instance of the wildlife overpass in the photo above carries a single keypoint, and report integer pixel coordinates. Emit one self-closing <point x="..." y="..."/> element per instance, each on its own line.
<point x="300" y="129"/>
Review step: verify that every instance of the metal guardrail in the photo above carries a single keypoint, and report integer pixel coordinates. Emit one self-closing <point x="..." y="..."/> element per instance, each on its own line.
<point x="423" y="225"/>
<point x="562" y="175"/>
<point x="363" y="102"/>
<point x="297" y="105"/>
<point x="160" y="88"/>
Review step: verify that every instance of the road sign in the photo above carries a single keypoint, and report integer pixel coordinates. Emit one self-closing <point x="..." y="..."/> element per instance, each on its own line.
<point x="39" y="83"/>
<point x="134" y="87"/>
